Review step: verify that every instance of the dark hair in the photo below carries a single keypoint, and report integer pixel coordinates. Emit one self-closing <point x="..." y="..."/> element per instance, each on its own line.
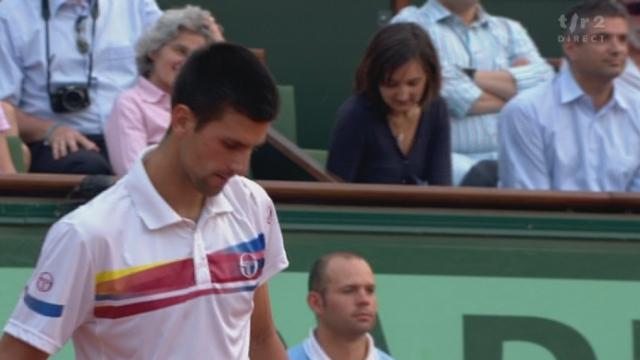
<point x="391" y="47"/>
<point x="590" y="10"/>
<point x="224" y="75"/>
<point x="318" y="273"/>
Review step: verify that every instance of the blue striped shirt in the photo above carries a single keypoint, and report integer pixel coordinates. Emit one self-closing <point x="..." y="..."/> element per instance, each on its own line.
<point x="23" y="65"/>
<point x="490" y="43"/>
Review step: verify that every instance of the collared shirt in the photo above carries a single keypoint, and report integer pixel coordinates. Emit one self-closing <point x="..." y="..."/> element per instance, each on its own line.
<point x="24" y="66"/>
<point x="490" y="43"/>
<point x="310" y="349"/>
<point x="552" y="138"/>
<point x="129" y="278"/>
<point x="630" y="78"/>
<point x="140" y="118"/>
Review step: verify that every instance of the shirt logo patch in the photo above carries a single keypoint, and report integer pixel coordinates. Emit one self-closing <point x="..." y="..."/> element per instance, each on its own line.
<point x="44" y="282"/>
<point x="249" y="265"/>
<point x="270" y="215"/>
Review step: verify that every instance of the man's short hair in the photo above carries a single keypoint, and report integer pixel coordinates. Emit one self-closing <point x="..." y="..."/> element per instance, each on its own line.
<point x="224" y="76"/>
<point x="590" y="10"/>
<point x="318" y="274"/>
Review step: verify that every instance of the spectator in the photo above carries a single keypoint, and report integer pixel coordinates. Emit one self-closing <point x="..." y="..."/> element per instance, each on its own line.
<point x="342" y="295"/>
<point x="180" y="269"/>
<point x="395" y="128"/>
<point x="631" y="75"/>
<point x="486" y="60"/>
<point x="51" y="51"/>
<point x="578" y="132"/>
<point x="140" y="116"/>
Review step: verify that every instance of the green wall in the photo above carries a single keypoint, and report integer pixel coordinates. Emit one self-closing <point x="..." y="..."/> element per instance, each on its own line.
<point x="452" y="283"/>
<point x="316" y="46"/>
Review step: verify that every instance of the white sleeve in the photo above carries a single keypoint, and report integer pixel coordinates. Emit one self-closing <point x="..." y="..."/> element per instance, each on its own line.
<point x="275" y="256"/>
<point x="60" y="294"/>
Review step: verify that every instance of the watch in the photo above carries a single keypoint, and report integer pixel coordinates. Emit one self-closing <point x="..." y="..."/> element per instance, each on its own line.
<point x="470" y="72"/>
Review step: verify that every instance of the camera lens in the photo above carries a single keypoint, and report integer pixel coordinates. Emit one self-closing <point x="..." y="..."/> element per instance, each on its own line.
<point x="75" y="100"/>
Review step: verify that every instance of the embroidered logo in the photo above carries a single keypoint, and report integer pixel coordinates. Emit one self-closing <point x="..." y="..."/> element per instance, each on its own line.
<point x="44" y="282"/>
<point x="248" y="265"/>
<point x="270" y="215"/>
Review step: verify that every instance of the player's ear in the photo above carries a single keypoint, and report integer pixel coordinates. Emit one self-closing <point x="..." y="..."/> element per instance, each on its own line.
<point x="183" y="120"/>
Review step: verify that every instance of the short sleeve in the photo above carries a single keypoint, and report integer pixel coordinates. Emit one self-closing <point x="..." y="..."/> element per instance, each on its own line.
<point x="275" y="255"/>
<point x="59" y="297"/>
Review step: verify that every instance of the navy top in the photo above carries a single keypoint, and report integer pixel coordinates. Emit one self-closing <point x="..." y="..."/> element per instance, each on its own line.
<point x="363" y="148"/>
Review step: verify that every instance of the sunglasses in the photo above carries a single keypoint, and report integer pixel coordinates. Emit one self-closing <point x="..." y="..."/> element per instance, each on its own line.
<point x="82" y="44"/>
<point x="633" y="8"/>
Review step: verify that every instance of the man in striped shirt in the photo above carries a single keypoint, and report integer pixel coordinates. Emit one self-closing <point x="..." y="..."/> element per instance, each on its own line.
<point x="486" y="60"/>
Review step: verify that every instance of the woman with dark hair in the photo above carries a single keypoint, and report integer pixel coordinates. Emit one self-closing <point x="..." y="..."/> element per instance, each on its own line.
<point x="395" y="128"/>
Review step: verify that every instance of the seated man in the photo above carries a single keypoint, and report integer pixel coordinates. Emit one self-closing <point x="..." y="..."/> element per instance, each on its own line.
<point x="578" y="132"/>
<point x="485" y="61"/>
<point x="631" y="75"/>
<point x="342" y="296"/>
<point x="62" y="63"/>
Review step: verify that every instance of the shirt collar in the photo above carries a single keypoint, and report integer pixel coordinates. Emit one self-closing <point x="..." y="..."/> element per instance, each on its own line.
<point x="154" y="211"/>
<point x="440" y="13"/>
<point x="149" y="92"/>
<point x="316" y="352"/>
<point x="570" y="90"/>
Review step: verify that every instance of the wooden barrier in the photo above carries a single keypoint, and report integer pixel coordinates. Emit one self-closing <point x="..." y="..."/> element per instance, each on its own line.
<point x="37" y="185"/>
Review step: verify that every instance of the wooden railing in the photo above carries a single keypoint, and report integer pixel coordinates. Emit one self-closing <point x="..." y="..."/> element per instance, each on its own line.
<point x="59" y="186"/>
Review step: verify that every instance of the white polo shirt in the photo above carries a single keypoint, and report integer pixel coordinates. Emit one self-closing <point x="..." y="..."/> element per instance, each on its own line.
<point x="129" y="278"/>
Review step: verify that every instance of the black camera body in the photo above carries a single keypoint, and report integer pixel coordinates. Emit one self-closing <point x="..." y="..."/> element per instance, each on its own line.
<point x="69" y="98"/>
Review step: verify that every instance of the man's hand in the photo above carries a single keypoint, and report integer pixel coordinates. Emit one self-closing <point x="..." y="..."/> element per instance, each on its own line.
<point x="64" y="140"/>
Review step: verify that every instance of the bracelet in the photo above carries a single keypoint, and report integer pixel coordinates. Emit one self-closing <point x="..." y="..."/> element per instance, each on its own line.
<point x="470" y="72"/>
<point x="50" y="131"/>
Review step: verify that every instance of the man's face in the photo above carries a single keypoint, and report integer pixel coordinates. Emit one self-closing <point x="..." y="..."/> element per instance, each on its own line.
<point x="220" y="149"/>
<point x="602" y="51"/>
<point x="348" y="306"/>
<point x="633" y="7"/>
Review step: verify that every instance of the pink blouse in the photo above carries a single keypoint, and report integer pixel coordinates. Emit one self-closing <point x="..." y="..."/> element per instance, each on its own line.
<point x="140" y="117"/>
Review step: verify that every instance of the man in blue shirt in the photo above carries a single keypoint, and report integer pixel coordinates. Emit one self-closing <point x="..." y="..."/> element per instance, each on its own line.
<point x="485" y="61"/>
<point x="580" y="131"/>
<point x="342" y="296"/>
<point x="62" y="63"/>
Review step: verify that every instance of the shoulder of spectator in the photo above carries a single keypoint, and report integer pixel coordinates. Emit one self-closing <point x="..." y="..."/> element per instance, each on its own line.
<point x="356" y="110"/>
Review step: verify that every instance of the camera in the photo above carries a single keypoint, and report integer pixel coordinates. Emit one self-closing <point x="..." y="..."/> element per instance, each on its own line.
<point x="69" y="98"/>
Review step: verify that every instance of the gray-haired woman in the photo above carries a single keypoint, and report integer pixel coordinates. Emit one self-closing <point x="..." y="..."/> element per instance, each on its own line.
<point x="140" y="115"/>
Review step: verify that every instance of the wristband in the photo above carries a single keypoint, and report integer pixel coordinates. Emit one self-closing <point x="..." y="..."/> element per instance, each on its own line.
<point x="470" y="72"/>
<point x="49" y="132"/>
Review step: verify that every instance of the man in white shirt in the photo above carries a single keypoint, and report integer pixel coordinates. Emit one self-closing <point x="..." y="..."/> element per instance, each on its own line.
<point x="62" y="64"/>
<point x="579" y="132"/>
<point x="171" y="262"/>
<point x="342" y="296"/>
